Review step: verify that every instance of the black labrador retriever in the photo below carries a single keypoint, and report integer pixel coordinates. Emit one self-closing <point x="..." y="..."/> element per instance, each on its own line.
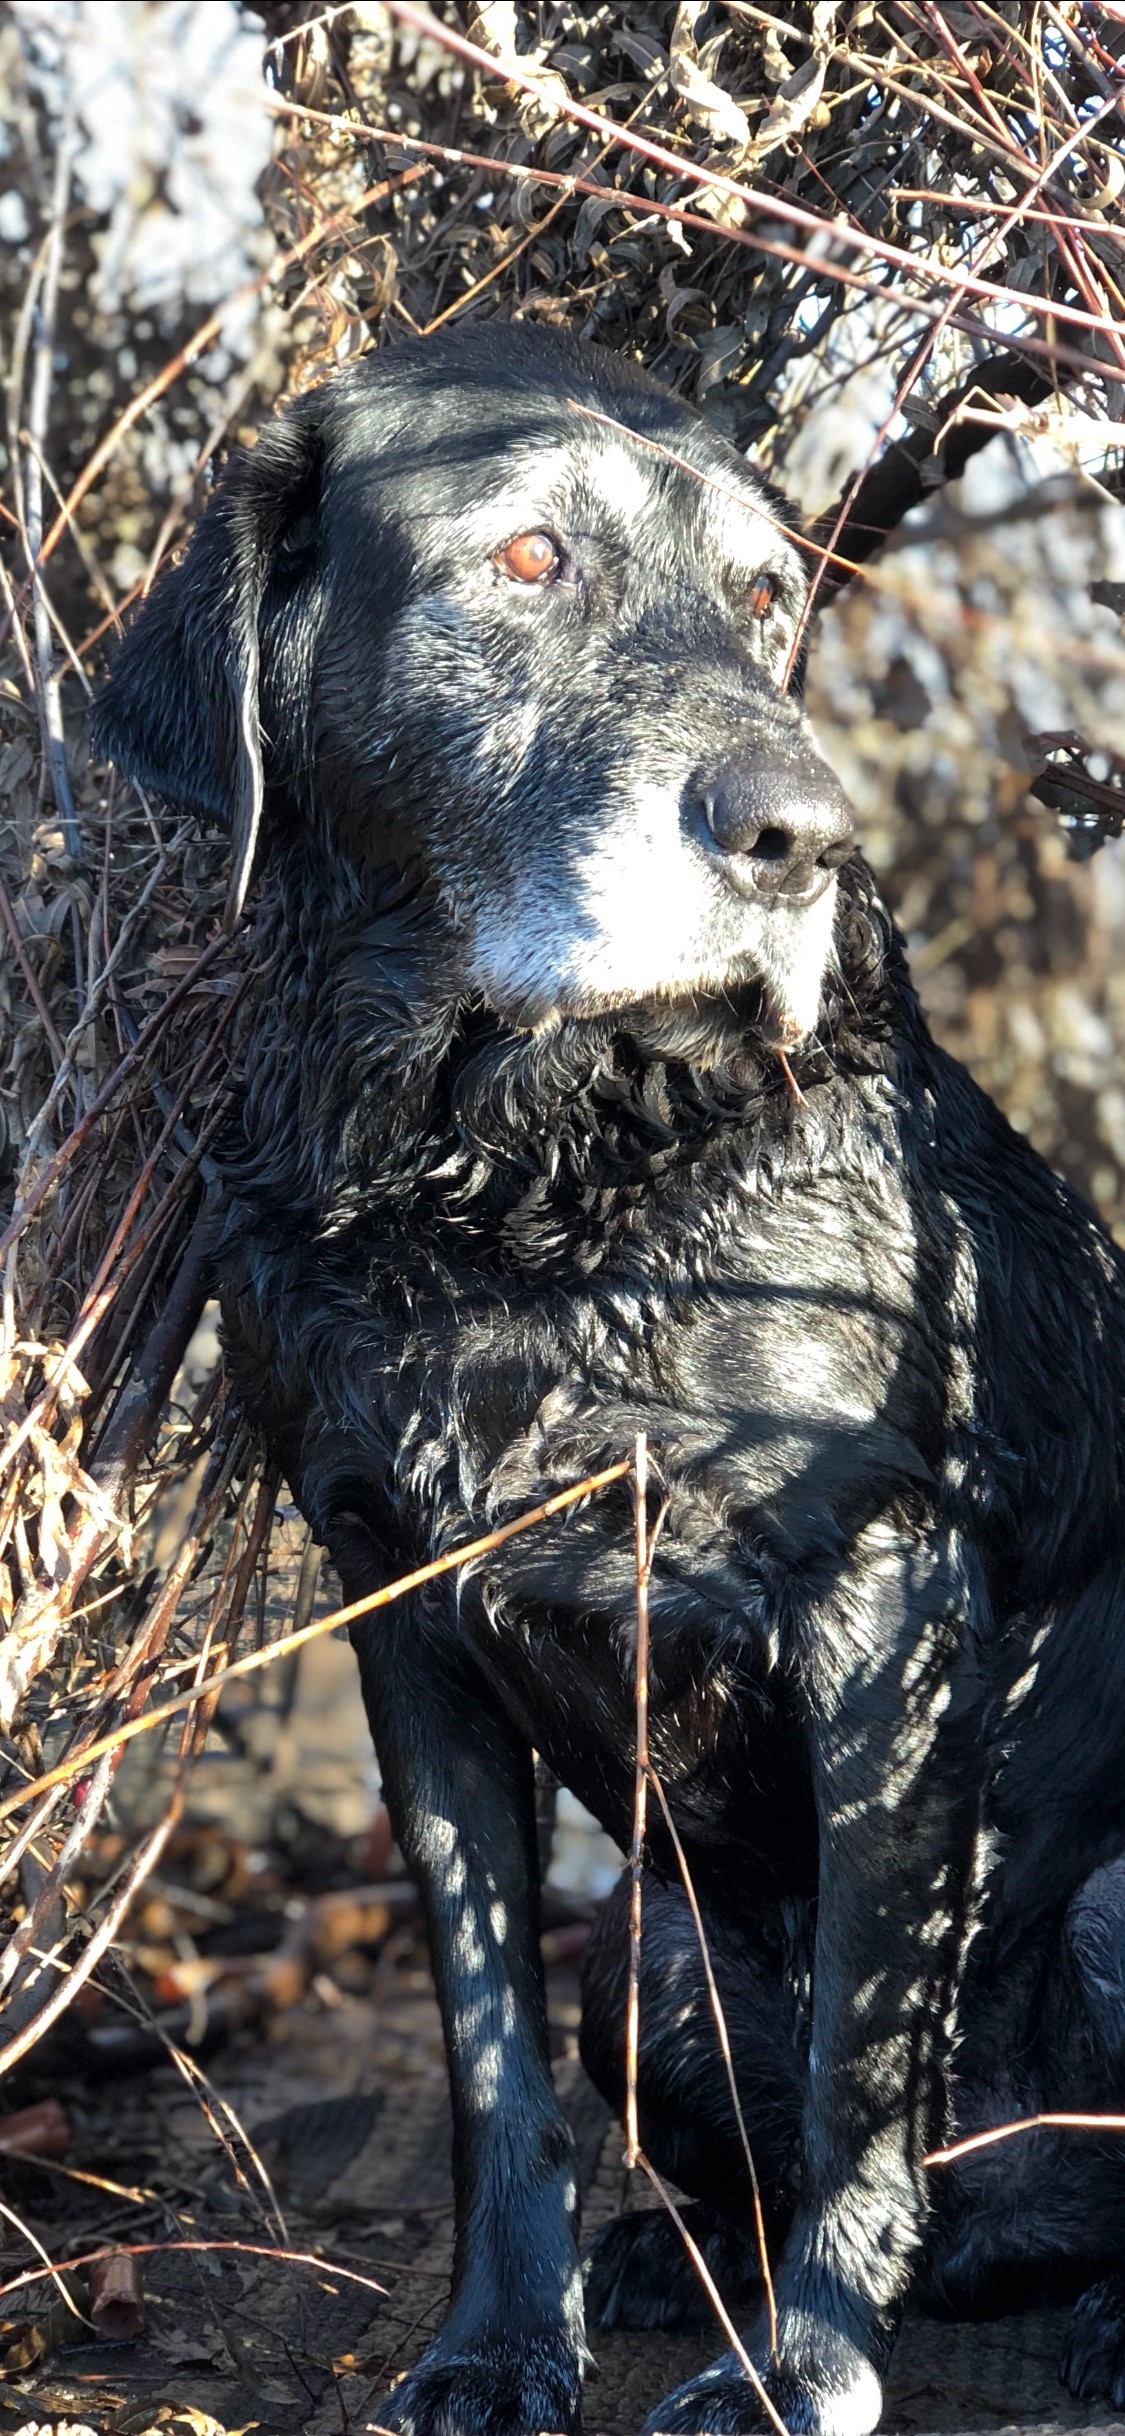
<point x="588" y="1096"/>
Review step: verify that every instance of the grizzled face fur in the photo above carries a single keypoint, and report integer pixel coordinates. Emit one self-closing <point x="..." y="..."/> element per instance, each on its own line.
<point x="497" y="612"/>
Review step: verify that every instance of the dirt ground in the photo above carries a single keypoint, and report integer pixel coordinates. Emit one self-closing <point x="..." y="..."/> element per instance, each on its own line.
<point x="348" y="2110"/>
<point x="343" y="2097"/>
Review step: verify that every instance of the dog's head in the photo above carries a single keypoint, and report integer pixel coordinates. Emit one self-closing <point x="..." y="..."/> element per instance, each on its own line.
<point x="502" y="614"/>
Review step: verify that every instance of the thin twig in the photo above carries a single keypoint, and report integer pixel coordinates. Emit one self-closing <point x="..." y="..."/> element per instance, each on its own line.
<point x="728" y="2060"/>
<point x="7" y="912"/>
<point x="640" y="1795"/>
<point x="47" y="689"/>
<point x="161" y="2249"/>
<point x="79" y="1761"/>
<point x="16" y="2048"/>
<point x="714" y="2296"/>
<point x="1026" y="2123"/>
<point x="40" y="2275"/>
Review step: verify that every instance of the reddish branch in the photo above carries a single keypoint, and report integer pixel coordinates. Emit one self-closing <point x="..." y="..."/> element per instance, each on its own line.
<point x="1047" y="350"/>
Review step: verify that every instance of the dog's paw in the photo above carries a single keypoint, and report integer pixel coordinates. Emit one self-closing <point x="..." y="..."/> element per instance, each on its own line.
<point x="1092" y="2363"/>
<point x="840" y="2396"/>
<point x="638" y="2274"/>
<point x="497" y="2389"/>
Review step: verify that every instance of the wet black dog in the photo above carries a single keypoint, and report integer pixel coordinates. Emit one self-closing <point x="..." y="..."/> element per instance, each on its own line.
<point x="490" y="634"/>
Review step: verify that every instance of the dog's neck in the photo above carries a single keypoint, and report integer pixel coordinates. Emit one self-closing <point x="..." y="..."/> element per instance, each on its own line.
<point x="374" y="1086"/>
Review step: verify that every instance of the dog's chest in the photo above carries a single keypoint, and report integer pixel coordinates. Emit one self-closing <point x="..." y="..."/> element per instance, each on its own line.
<point x="777" y="1345"/>
<point x="767" y="1300"/>
<point x="790" y="1385"/>
<point x="781" y="1335"/>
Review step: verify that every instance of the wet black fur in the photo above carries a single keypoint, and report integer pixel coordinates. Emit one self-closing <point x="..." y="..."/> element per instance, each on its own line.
<point x="879" y="1352"/>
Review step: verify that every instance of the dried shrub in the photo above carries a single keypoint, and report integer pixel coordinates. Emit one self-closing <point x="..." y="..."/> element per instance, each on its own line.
<point x="879" y="245"/>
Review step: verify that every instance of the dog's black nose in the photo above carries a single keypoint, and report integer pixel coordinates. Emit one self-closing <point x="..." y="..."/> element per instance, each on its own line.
<point x="781" y="827"/>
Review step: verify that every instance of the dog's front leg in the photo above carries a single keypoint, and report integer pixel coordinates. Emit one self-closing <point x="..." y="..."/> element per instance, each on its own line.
<point x="891" y="1682"/>
<point x="460" y="1790"/>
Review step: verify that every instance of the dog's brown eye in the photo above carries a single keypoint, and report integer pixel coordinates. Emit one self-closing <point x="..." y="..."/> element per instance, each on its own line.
<point x="762" y="595"/>
<point x="530" y="559"/>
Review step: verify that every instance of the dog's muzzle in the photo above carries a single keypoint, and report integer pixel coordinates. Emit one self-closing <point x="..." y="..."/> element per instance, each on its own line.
<point x="778" y="830"/>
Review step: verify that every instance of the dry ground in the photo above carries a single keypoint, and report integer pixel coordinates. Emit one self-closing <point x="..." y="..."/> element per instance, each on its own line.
<point x="351" y="2109"/>
<point x="345" y="2100"/>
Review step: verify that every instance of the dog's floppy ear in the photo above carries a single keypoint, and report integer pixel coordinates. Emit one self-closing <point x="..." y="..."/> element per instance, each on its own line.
<point x="181" y="710"/>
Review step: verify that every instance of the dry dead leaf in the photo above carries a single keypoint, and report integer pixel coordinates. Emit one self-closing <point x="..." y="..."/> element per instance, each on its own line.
<point x="690" y="75"/>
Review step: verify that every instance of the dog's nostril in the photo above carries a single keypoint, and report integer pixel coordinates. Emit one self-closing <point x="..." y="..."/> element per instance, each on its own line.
<point x="770" y="846"/>
<point x="735" y="833"/>
<point x="782" y="828"/>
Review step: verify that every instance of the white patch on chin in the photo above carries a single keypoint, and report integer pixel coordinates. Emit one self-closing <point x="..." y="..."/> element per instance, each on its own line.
<point x="794" y="956"/>
<point x="646" y="915"/>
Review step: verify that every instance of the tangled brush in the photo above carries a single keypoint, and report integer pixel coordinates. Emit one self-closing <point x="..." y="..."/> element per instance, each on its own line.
<point x="869" y="241"/>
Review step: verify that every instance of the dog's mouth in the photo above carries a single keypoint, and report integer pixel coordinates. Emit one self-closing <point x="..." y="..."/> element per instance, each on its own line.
<point x="635" y="907"/>
<point x="777" y="968"/>
<point x="794" y="964"/>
